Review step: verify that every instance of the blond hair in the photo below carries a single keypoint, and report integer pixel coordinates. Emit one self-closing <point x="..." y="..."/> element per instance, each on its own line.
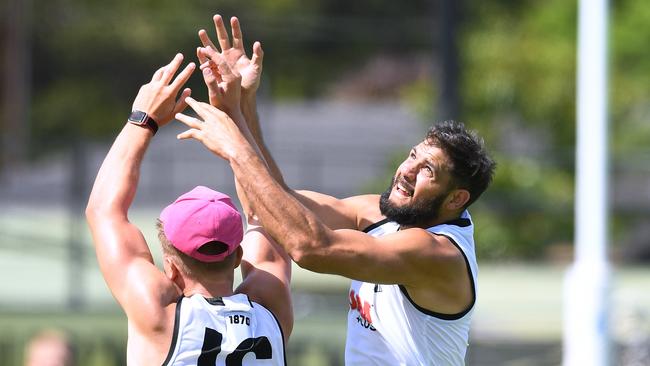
<point x="192" y="266"/>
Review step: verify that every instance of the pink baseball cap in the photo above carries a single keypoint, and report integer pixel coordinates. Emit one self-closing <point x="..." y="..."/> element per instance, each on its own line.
<point x="201" y="216"/>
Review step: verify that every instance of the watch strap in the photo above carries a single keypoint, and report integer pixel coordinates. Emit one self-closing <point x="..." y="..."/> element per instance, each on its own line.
<point x="142" y="119"/>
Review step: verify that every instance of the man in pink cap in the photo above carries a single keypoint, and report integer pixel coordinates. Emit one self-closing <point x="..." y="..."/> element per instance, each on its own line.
<point x="187" y="314"/>
<point x="202" y="224"/>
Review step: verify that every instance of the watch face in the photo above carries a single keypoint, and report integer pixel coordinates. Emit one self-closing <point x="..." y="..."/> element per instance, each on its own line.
<point x="138" y="117"/>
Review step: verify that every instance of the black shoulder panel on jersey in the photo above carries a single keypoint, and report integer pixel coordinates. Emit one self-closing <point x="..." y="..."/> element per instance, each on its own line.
<point x="375" y="225"/>
<point x="215" y="301"/>
<point x="461" y="221"/>
<point x="284" y="348"/>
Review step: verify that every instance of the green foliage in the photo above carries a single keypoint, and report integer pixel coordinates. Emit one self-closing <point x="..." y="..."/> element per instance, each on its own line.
<point x="96" y="54"/>
<point x="519" y="74"/>
<point x="62" y="111"/>
<point x="418" y="96"/>
<point x="629" y="92"/>
<point x="528" y="206"/>
<point x="519" y="65"/>
<point x="517" y="87"/>
<point x="518" y="77"/>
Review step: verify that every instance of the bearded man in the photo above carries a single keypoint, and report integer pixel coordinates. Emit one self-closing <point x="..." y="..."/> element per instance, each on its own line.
<point x="409" y="252"/>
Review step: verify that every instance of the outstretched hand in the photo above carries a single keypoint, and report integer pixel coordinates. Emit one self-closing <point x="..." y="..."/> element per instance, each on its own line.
<point x="158" y="97"/>
<point x="224" y="83"/>
<point x="213" y="128"/>
<point x="235" y="55"/>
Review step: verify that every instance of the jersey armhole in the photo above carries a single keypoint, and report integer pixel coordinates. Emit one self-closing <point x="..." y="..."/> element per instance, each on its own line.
<point x="177" y="321"/>
<point x="375" y="225"/>
<point x="445" y="316"/>
<point x="277" y="322"/>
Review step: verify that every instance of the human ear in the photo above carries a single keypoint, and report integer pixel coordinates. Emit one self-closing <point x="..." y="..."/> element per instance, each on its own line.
<point x="240" y="254"/>
<point x="457" y="199"/>
<point x="171" y="271"/>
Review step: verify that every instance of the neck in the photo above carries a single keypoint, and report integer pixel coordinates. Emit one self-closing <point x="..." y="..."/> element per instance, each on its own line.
<point x="212" y="288"/>
<point x="441" y="219"/>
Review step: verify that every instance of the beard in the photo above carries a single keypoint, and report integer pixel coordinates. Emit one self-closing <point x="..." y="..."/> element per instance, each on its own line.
<point x="412" y="214"/>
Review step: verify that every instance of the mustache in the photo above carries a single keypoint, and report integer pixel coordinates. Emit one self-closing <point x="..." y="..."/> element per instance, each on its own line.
<point x="403" y="182"/>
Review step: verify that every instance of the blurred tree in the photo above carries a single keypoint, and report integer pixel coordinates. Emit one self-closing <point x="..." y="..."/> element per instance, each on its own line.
<point x="517" y="85"/>
<point x="91" y="56"/>
<point x="629" y="86"/>
<point x="629" y="109"/>
<point x="518" y="90"/>
<point x="15" y="20"/>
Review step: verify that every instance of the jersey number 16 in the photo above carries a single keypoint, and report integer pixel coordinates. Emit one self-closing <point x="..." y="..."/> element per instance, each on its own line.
<point x="260" y="346"/>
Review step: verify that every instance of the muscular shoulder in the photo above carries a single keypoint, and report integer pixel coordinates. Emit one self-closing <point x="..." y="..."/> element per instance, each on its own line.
<point x="438" y="250"/>
<point x="442" y="282"/>
<point x="152" y="304"/>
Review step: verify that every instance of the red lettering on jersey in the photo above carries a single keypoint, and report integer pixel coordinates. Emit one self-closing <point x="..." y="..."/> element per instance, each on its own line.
<point x="353" y="300"/>
<point x="363" y="307"/>
<point x="366" y="312"/>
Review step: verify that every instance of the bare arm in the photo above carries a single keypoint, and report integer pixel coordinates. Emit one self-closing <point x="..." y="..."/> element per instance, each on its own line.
<point x="249" y="109"/>
<point x="266" y="268"/>
<point x="406" y="257"/>
<point x="123" y="255"/>
<point x="335" y="213"/>
<point x="225" y="74"/>
<point x="250" y="71"/>
<point x="232" y="79"/>
<point x="430" y="267"/>
<point x="266" y="273"/>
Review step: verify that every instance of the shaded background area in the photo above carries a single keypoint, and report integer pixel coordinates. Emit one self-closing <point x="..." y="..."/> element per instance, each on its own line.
<point x="348" y="87"/>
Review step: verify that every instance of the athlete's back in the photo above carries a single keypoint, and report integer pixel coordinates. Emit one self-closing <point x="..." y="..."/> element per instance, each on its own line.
<point x="229" y="331"/>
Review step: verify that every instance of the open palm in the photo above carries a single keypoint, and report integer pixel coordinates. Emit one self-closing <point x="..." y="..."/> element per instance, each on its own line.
<point x="234" y="54"/>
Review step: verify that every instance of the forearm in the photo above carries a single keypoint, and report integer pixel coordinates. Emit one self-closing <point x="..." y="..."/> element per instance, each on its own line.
<point x="321" y="205"/>
<point x="262" y="252"/>
<point x="121" y="250"/>
<point x="240" y="120"/>
<point x="116" y="182"/>
<point x="287" y="221"/>
<point x="249" y="110"/>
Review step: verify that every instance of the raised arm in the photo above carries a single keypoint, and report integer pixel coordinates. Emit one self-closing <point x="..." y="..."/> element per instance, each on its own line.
<point x="266" y="274"/>
<point x="266" y="268"/>
<point x="336" y="213"/>
<point x="427" y="265"/>
<point x="123" y="255"/>
<point x="250" y="70"/>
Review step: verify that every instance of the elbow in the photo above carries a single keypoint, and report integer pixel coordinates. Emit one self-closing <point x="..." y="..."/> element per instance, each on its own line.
<point x="94" y="214"/>
<point x="92" y="211"/>
<point x="301" y="256"/>
<point x="96" y="210"/>
<point x="312" y="261"/>
<point x="310" y="253"/>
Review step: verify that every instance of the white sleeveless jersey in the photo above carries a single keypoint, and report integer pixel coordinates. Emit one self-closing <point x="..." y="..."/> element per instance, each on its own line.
<point x="385" y="326"/>
<point x="225" y="331"/>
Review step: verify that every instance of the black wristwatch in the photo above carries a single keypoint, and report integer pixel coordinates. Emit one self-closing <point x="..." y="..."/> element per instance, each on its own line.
<point x="140" y="118"/>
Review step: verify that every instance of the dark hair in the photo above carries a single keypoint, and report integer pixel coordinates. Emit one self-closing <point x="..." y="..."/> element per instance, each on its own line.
<point x="470" y="165"/>
<point x="192" y="266"/>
